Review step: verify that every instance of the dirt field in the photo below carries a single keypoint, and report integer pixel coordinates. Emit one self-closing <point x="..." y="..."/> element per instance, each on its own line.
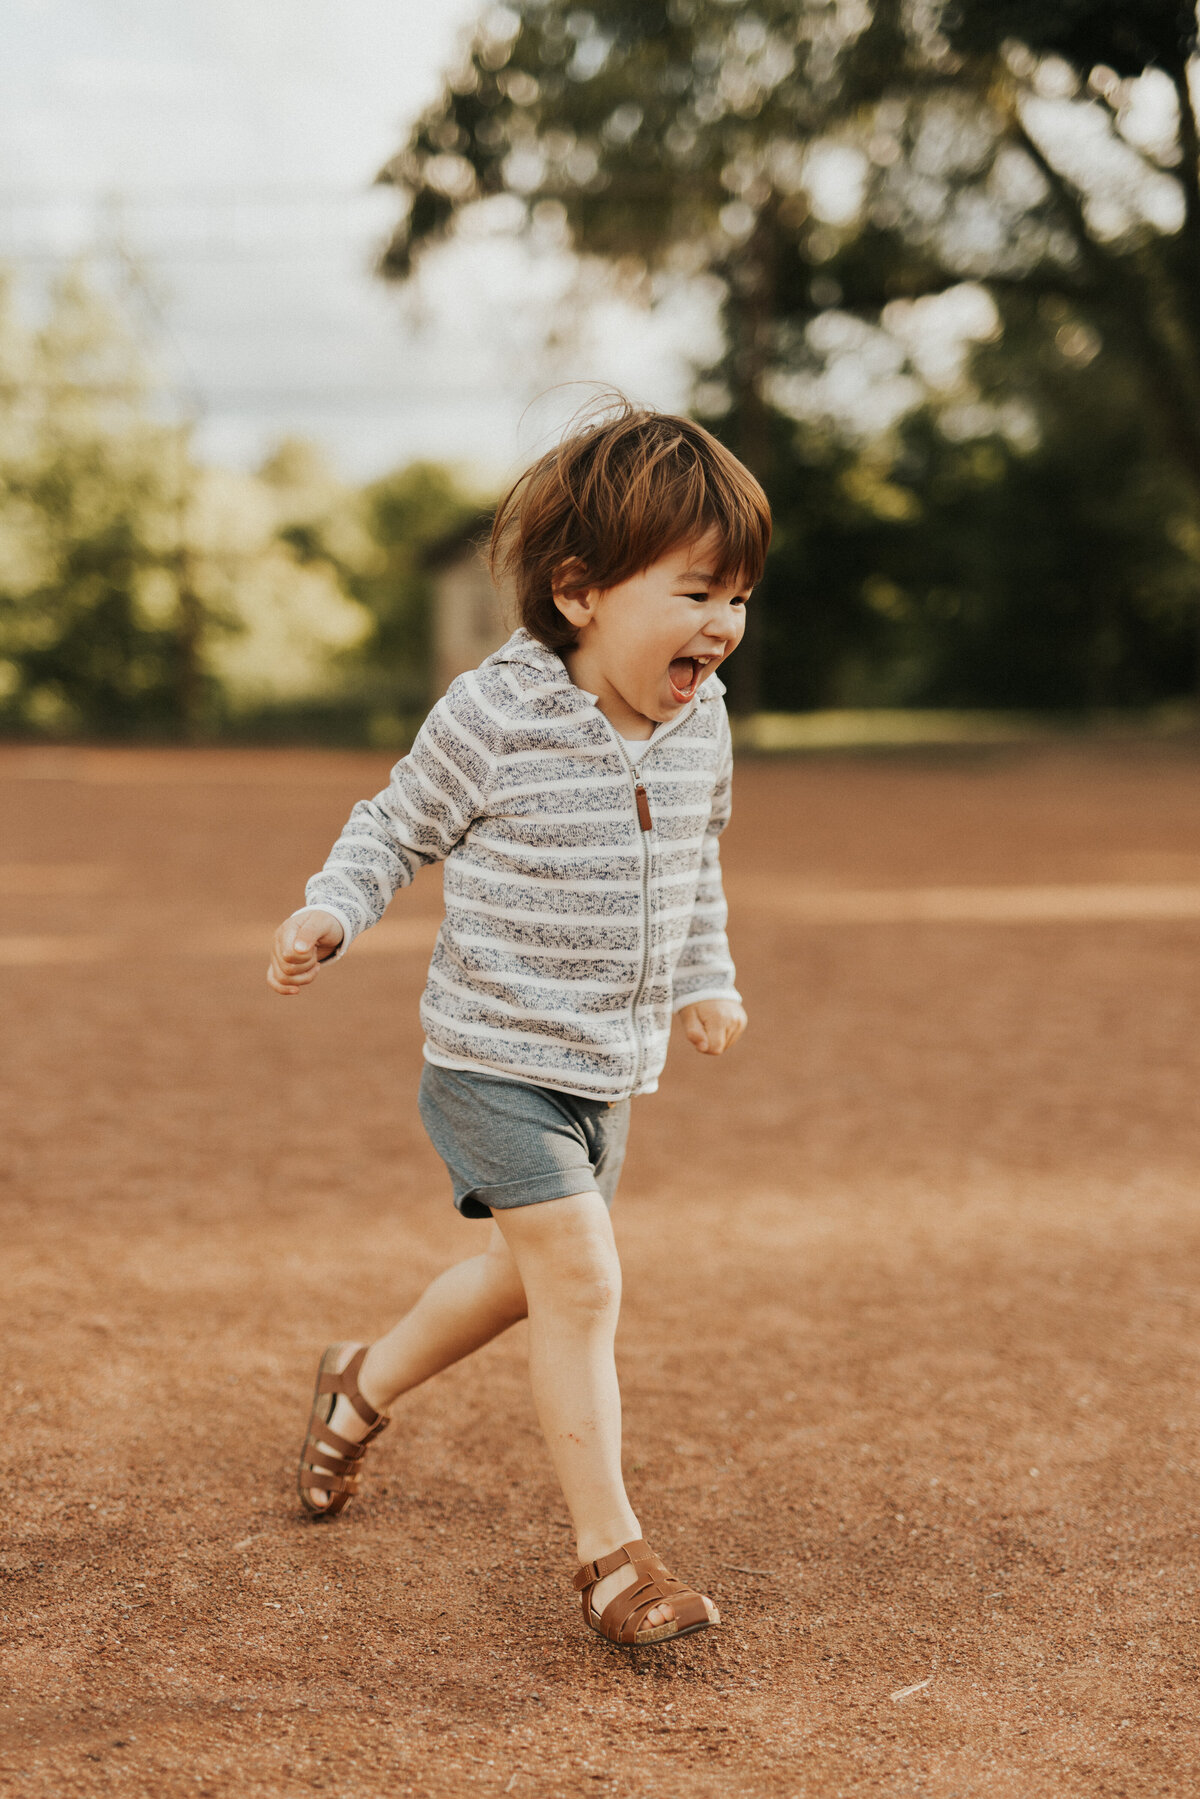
<point x="909" y="1345"/>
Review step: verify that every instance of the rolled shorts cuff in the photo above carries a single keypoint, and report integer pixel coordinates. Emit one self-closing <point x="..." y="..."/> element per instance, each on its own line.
<point x="506" y="1144"/>
<point x="480" y="1202"/>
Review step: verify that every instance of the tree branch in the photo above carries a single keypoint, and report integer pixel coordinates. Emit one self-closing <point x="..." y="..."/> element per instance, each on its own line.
<point x="864" y="303"/>
<point x="1068" y="199"/>
<point x="1171" y="373"/>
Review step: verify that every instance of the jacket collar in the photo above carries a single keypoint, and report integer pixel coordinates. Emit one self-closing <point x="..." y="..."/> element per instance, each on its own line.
<point x="526" y="649"/>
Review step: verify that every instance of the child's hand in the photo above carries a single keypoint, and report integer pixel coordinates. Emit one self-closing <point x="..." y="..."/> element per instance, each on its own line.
<point x="712" y="1025"/>
<point x="301" y="945"/>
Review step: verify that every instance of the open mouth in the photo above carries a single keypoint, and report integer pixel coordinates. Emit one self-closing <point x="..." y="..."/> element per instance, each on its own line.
<point x="685" y="675"/>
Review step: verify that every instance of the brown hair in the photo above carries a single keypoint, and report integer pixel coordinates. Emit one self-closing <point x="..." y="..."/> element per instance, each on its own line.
<point x="623" y="489"/>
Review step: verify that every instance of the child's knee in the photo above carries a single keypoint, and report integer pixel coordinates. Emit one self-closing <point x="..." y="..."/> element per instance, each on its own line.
<point x="583" y="1280"/>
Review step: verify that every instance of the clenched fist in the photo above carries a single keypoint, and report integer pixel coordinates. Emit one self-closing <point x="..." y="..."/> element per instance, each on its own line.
<point x="301" y="945"/>
<point x="712" y="1025"/>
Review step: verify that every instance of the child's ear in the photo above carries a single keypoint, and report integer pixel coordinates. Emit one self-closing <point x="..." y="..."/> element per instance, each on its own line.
<point x="572" y="595"/>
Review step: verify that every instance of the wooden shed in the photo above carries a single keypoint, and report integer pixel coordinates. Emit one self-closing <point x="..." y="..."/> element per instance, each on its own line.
<point x="468" y="615"/>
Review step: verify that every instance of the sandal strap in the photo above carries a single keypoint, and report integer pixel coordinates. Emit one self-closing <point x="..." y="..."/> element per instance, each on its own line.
<point x="627" y="1611"/>
<point x="331" y="1483"/>
<point x="625" y="1615"/>
<point x="345" y="1382"/>
<point x="319" y="1431"/>
<point x="590" y="1572"/>
<point x="329" y="1462"/>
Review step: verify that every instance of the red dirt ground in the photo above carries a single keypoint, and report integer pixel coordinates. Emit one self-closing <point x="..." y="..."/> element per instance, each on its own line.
<point x="909" y="1342"/>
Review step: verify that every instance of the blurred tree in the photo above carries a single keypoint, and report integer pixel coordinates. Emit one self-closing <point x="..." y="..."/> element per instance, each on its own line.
<point x="272" y="556"/>
<point x="410" y="514"/>
<point x="91" y="633"/>
<point x="1065" y="569"/>
<point x="144" y="594"/>
<point x="377" y="542"/>
<point x="826" y="160"/>
<point x="944" y="570"/>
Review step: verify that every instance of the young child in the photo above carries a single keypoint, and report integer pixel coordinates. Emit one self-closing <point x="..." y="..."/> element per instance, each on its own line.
<point x="575" y="786"/>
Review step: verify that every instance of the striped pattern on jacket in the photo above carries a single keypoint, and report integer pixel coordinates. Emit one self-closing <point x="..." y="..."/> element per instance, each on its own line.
<point x="570" y="933"/>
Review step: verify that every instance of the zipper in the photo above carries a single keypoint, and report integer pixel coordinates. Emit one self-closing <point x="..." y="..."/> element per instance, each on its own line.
<point x="645" y="828"/>
<point x="641" y="801"/>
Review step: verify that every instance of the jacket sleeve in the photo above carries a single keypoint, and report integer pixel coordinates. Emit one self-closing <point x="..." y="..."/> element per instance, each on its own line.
<point x="705" y="967"/>
<point x="434" y="794"/>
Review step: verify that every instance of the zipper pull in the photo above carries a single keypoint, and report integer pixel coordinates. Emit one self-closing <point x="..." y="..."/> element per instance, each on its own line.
<point x="643" y="806"/>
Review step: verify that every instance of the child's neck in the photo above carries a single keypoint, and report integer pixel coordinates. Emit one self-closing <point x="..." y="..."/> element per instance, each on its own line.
<point x="621" y="716"/>
<point x="626" y="722"/>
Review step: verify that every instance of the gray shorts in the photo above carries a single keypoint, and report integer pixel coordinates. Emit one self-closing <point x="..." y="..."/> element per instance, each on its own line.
<point x="508" y="1144"/>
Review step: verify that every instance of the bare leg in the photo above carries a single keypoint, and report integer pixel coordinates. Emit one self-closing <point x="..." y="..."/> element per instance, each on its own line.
<point x="458" y="1312"/>
<point x="568" y="1265"/>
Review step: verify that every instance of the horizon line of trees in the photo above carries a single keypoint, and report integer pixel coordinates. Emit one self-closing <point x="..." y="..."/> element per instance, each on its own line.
<point x="956" y="245"/>
<point x="143" y="595"/>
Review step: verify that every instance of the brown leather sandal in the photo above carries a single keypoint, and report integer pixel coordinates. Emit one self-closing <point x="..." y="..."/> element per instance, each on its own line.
<point x="654" y="1584"/>
<point x="336" y="1470"/>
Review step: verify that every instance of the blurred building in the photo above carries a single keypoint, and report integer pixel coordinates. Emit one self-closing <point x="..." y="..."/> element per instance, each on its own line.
<point x="468" y="615"/>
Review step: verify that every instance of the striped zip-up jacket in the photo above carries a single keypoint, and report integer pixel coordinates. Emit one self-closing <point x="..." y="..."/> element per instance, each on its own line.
<point x="580" y="912"/>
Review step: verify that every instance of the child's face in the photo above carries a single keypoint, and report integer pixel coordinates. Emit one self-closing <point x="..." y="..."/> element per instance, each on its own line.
<point x="646" y="645"/>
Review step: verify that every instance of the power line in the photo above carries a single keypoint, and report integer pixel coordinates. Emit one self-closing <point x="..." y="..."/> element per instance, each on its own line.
<point x="284" y="194"/>
<point x="221" y="225"/>
<point x="42" y="257"/>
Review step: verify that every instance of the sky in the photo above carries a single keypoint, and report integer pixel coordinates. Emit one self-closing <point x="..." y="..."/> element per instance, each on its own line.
<point x="222" y="155"/>
<point x="219" y="158"/>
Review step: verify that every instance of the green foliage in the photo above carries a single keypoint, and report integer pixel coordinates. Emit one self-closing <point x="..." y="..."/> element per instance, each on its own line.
<point x="143" y="594"/>
<point x="689" y="136"/>
<point x="411" y="514"/>
<point x="380" y="545"/>
<point x="89" y="627"/>
<point x="929" y="571"/>
<point x="628" y="120"/>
